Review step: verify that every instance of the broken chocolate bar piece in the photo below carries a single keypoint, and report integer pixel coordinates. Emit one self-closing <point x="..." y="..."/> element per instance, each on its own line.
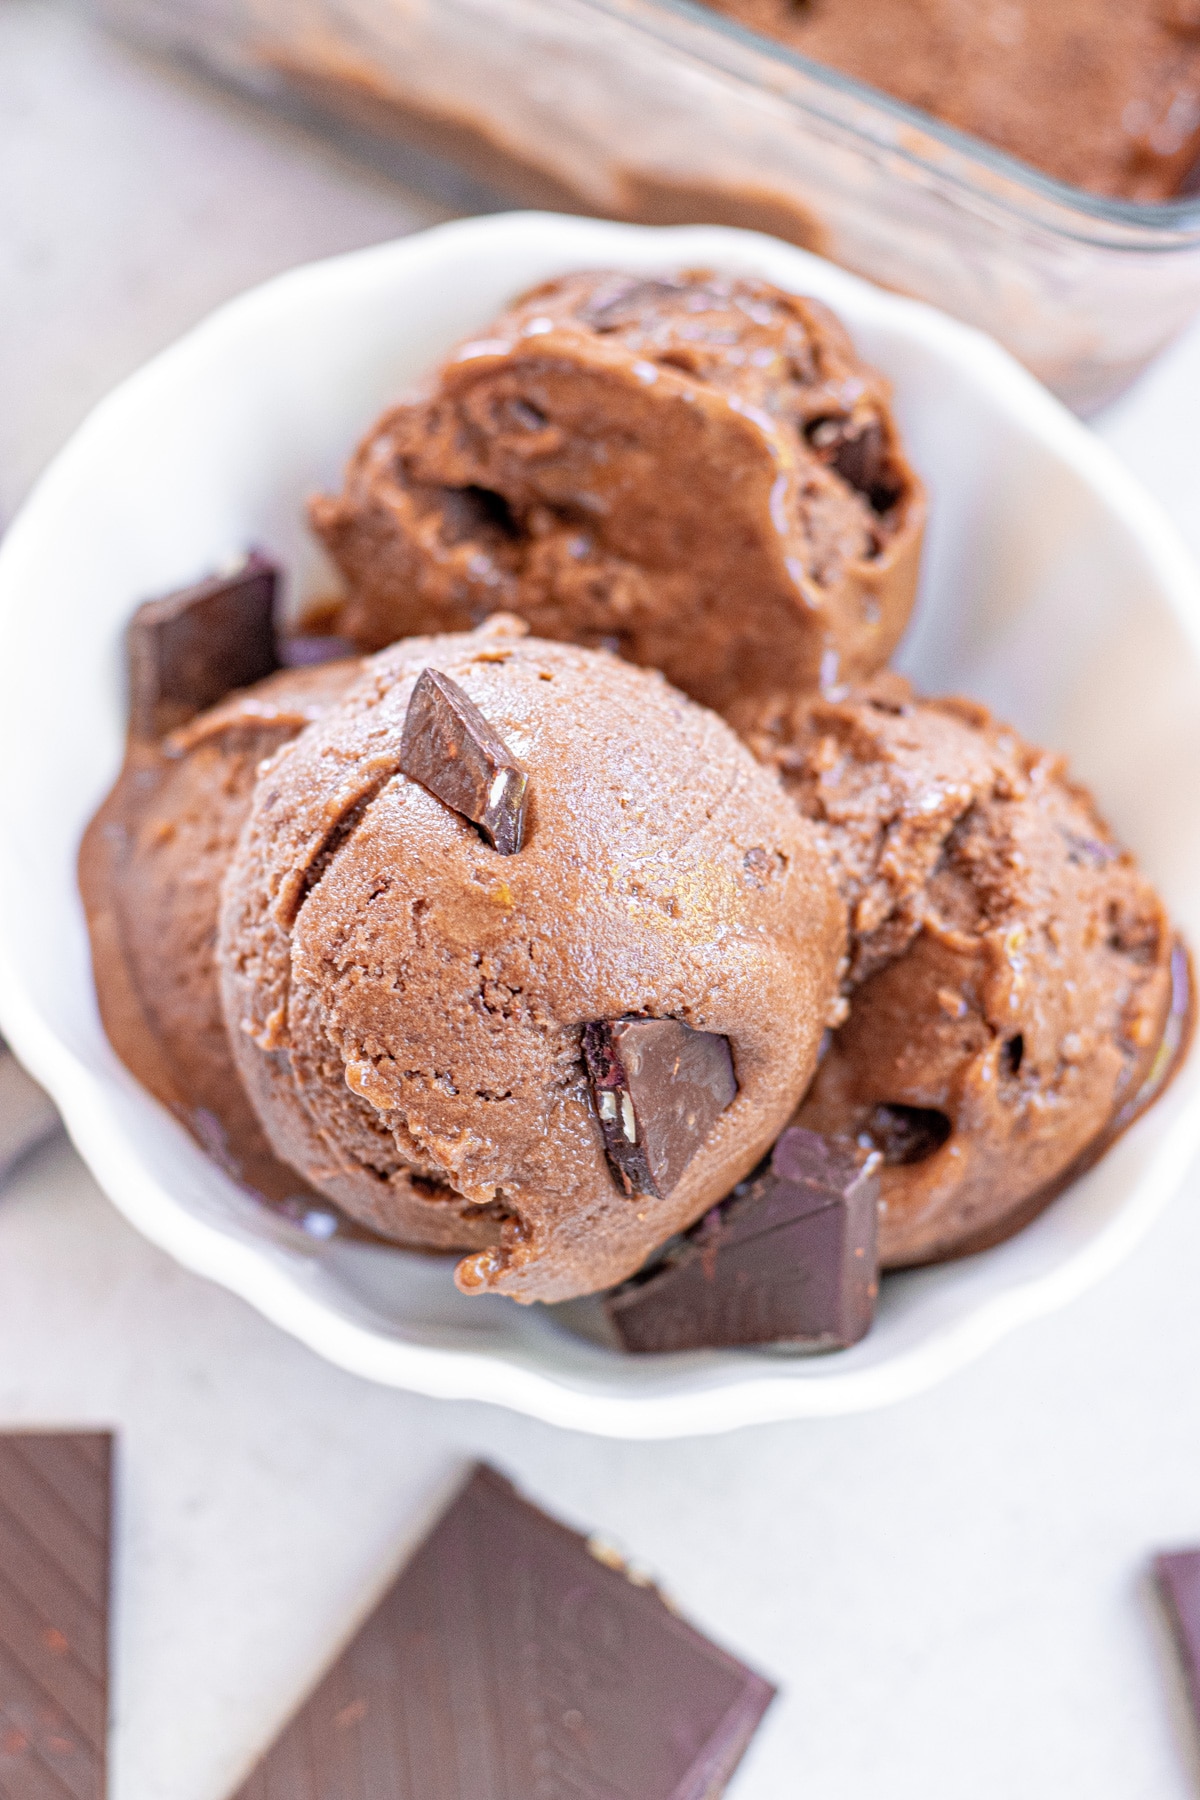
<point x="658" y="1086"/>
<point x="28" y="1116"/>
<point x="449" y="747"/>
<point x="789" y="1258"/>
<point x="508" y="1662"/>
<point x="191" y="648"/>
<point x="1177" y="1573"/>
<point x="307" y="649"/>
<point x="55" y="1513"/>
<point x="856" y="449"/>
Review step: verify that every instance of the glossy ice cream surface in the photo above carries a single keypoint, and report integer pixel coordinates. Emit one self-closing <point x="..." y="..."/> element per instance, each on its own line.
<point x="696" y="471"/>
<point x="1010" y="967"/>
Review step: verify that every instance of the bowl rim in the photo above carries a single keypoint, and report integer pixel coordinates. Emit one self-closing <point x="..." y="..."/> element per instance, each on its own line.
<point x="289" y="1297"/>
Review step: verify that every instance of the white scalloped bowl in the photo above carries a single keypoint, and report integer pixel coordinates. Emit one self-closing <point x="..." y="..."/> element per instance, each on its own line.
<point x="1052" y="588"/>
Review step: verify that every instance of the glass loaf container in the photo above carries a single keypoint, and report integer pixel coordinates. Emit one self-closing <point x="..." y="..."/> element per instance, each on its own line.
<point x="661" y="111"/>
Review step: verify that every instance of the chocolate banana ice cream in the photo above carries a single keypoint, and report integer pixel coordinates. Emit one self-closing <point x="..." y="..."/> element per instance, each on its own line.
<point x="409" y="1004"/>
<point x="150" y="870"/>
<point x="1104" y="94"/>
<point x="507" y="947"/>
<point x="1010" y="975"/>
<point x="696" y="471"/>
<point x="154" y="857"/>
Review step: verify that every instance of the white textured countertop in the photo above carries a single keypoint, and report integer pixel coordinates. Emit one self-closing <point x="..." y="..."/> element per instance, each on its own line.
<point x="951" y="1594"/>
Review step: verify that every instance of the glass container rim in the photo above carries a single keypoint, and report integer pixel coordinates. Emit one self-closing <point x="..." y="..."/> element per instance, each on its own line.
<point x="1160" y="226"/>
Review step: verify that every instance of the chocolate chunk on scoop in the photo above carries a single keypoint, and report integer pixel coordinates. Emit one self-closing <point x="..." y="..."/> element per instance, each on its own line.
<point x="658" y="1087"/>
<point x="789" y="1258"/>
<point x="191" y="648"/>
<point x="55" y="1511"/>
<point x="511" y="1661"/>
<point x="1177" y="1573"/>
<point x="856" y="449"/>
<point x="449" y="747"/>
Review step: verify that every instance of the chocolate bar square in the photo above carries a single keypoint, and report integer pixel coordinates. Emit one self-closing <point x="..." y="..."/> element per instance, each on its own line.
<point x="1178" y="1575"/>
<point x="55" y="1526"/>
<point x="789" y="1258"/>
<point x="509" y="1662"/>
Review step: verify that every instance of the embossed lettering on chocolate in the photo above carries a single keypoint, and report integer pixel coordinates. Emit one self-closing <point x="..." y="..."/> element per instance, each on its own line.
<point x="512" y="1659"/>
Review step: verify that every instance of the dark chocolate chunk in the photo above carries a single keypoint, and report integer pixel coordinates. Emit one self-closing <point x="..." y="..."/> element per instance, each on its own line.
<point x="478" y="512"/>
<point x="907" y="1134"/>
<point x="189" y="649"/>
<point x="302" y="651"/>
<point x="621" y="302"/>
<point x="55" y="1514"/>
<point x="789" y="1258"/>
<point x="658" y="1086"/>
<point x="1092" y="853"/>
<point x="1178" y="1575"/>
<point x="509" y="1662"/>
<point x="449" y="747"/>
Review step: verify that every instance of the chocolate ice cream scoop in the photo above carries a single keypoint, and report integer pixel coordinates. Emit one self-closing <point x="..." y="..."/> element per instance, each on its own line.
<point x="150" y="869"/>
<point x="1010" y="965"/>
<point x="696" y="471"/>
<point x="408" y="1005"/>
